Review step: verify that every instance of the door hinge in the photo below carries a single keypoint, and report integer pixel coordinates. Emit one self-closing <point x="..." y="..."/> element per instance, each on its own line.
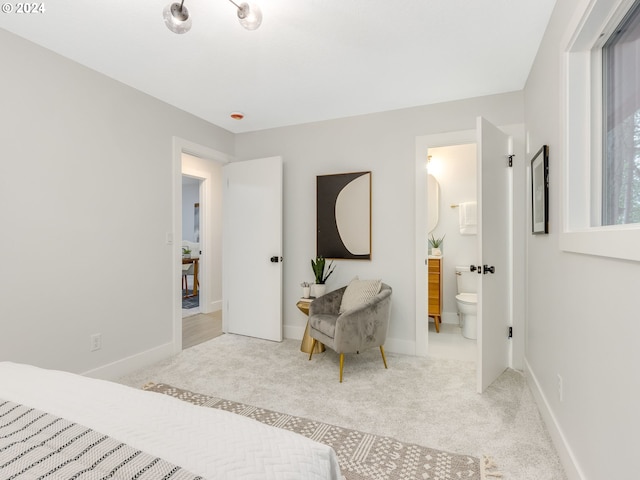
<point x="510" y="332"/>
<point x="510" y="157"/>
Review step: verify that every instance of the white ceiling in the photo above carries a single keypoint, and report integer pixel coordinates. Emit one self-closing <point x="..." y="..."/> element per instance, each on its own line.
<point x="310" y="60"/>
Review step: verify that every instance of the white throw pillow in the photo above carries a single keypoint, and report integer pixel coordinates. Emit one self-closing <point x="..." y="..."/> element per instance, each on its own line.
<point x="359" y="292"/>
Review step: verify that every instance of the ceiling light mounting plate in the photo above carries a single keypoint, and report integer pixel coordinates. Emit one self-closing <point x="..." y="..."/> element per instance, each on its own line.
<point x="179" y="11"/>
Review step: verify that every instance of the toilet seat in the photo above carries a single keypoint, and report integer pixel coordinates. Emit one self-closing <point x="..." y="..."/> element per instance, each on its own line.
<point x="468" y="298"/>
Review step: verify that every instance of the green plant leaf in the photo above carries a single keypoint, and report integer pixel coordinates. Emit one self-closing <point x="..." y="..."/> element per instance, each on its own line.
<point x="321" y="270"/>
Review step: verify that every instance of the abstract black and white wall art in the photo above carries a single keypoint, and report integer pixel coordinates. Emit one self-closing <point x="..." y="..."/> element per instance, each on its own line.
<point x="343" y="215"/>
<point x="540" y="191"/>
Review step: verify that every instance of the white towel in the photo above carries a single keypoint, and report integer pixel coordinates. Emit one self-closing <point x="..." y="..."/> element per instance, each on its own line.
<point x="468" y="218"/>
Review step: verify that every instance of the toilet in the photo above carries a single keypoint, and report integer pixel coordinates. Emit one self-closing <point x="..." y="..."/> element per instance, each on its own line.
<point x="467" y="301"/>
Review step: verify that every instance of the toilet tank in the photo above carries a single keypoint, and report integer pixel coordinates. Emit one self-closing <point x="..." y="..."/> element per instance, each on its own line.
<point x="467" y="281"/>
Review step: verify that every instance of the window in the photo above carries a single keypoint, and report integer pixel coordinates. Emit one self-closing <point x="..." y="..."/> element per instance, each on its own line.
<point x="621" y="121"/>
<point x="601" y="184"/>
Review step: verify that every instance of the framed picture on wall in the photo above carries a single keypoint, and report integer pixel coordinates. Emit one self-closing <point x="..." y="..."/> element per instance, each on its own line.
<point x="196" y="222"/>
<point x="343" y="215"/>
<point x="540" y="191"/>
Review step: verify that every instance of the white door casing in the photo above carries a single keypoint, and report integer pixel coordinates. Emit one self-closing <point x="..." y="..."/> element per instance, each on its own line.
<point x="252" y="246"/>
<point x="494" y="246"/>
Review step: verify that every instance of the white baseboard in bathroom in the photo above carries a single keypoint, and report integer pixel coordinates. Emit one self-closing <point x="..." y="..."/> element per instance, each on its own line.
<point x="450" y="318"/>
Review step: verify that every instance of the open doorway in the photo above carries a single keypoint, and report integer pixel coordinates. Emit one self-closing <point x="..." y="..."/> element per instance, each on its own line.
<point x="500" y="210"/>
<point x="452" y="219"/>
<point x="203" y="167"/>
<point x="190" y="245"/>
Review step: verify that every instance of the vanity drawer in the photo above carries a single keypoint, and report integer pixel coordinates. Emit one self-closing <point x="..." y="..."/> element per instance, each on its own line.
<point x="434" y="265"/>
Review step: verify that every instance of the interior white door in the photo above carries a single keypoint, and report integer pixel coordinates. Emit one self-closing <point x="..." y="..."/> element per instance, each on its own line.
<point x="252" y="248"/>
<point x="493" y="253"/>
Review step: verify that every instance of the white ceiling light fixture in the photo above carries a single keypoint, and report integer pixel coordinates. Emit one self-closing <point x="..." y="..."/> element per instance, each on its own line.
<point x="177" y="19"/>
<point x="249" y="16"/>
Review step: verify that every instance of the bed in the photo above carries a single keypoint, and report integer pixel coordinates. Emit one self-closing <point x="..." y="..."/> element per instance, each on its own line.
<point x="155" y="436"/>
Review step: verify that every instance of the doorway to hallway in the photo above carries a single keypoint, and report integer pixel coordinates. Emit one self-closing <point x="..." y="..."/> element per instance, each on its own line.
<point x="192" y="283"/>
<point x="204" y="166"/>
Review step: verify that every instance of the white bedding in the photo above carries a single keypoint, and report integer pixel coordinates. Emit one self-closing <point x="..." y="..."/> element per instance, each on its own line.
<point x="205" y="441"/>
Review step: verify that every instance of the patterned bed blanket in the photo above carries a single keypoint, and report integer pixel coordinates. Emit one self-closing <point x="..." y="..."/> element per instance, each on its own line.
<point x="36" y="444"/>
<point x="211" y="443"/>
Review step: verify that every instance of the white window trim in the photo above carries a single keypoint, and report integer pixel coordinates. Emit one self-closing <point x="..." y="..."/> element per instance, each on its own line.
<point x="581" y="170"/>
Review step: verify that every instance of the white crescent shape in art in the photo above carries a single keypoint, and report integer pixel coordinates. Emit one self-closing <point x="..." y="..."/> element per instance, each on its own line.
<point x="353" y="217"/>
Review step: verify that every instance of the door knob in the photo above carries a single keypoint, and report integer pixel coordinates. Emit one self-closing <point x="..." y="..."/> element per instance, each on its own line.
<point x="489" y="269"/>
<point x="473" y="268"/>
<point x="276" y="259"/>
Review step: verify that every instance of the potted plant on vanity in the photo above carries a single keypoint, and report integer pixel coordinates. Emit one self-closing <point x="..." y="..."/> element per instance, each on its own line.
<point x="186" y="252"/>
<point x="435" y="245"/>
<point x="322" y="271"/>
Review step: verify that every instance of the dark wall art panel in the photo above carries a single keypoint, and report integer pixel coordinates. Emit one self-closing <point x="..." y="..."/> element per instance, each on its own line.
<point x="540" y="191"/>
<point x="343" y="215"/>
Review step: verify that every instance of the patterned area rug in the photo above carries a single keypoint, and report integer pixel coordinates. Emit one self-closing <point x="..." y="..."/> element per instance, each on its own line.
<point x="362" y="456"/>
<point x="190" y="302"/>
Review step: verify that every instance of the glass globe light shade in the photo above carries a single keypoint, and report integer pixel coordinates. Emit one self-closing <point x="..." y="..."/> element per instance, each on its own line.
<point x="176" y="18"/>
<point x="249" y="16"/>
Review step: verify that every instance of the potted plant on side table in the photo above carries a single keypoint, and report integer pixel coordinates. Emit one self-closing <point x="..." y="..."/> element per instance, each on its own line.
<point x="322" y="271"/>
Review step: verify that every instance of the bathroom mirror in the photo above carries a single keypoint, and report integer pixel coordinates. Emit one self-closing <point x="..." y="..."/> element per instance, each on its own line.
<point x="433" y="202"/>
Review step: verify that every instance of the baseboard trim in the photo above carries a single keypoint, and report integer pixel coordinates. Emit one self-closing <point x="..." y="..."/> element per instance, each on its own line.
<point x="450" y="318"/>
<point x="119" y="368"/>
<point x="567" y="458"/>
<point x="294" y="333"/>
<point x="403" y="347"/>
<point x="212" y="307"/>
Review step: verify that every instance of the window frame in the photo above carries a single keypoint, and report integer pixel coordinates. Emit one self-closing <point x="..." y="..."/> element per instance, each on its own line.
<point x="582" y="231"/>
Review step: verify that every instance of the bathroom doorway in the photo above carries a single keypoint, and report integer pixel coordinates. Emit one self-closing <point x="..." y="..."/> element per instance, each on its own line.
<point x="453" y="172"/>
<point x="510" y="221"/>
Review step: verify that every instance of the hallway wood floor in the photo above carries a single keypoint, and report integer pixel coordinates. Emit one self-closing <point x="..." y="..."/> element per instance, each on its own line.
<point x="200" y="328"/>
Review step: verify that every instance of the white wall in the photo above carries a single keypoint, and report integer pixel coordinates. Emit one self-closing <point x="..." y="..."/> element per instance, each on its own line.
<point x="86" y="194"/>
<point x="190" y="196"/>
<point x="385" y="144"/>
<point x="582" y="315"/>
<point x="455" y="169"/>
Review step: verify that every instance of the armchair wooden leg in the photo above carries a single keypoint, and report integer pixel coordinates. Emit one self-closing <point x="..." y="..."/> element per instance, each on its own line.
<point x="313" y="345"/>
<point x="384" y="359"/>
<point x="341" y="365"/>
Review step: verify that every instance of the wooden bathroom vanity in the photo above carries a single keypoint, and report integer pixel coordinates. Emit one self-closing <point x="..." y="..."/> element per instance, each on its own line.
<point x="435" y="290"/>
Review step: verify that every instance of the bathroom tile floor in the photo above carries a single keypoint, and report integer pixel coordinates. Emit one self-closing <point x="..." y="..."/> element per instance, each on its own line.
<point x="450" y="344"/>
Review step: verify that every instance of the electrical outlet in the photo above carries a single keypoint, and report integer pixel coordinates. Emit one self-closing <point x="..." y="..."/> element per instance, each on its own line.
<point x="96" y="342"/>
<point x="560" y="387"/>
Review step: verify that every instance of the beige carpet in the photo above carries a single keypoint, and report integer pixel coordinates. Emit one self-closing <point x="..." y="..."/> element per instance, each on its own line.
<point x="422" y="401"/>
<point x="362" y="456"/>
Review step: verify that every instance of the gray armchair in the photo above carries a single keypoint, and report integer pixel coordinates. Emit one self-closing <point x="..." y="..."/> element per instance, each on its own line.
<point x="354" y="330"/>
